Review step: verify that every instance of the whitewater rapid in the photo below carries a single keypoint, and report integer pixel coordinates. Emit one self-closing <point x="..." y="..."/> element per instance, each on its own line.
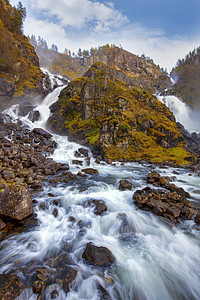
<point x="154" y="260"/>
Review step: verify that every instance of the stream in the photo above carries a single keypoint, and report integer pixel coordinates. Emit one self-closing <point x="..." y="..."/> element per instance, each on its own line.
<point x="154" y="260"/>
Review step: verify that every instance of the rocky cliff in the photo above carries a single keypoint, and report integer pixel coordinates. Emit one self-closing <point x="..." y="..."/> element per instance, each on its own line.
<point x="120" y="121"/>
<point x="142" y="72"/>
<point x="20" y="74"/>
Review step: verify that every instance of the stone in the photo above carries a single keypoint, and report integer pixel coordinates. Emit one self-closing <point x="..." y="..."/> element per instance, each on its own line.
<point x="90" y="171"/>
<point x="42" y="132"/>
<point x="10" y="287"/>
<point x="164" y="203"/>
<point x="98" y="256"/>
<point x="69" y="275"/>
<point x="81" y="174"/>
<point x="125" y="185"/>
<point x="197" y="219"/>
<point x="99" y="205"/>
<point x="77" y="162"/>
<point x="83" y="151"/>
<point x="15" y="202"/>
<point x="2" y="224"/>
<point x="55" y="212"/>
<point x="37" y="286"/>
<point x="34" y="116"/>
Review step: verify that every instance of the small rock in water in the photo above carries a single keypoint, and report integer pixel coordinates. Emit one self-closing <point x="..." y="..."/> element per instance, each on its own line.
<point x="37" y="286"/>
<point x="125" y="185"/>
<point x="99" y="205"/>
<point x="70" y="275"/>
<point x="90" y="171"/>
<point x="55" y="212"/>
<point x="54" y="294"/>
<point x="83" y="151"/>
<point x="98" y="256"/>
<point x="197" y="219"/>
<point x="77" y="162"/>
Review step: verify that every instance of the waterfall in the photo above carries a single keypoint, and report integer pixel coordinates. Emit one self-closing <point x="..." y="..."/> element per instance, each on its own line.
<point x="154" y="260"/>
<point x="189" y="118"/>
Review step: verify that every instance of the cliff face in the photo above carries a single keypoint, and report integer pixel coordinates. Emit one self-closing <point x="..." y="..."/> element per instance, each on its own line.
<point x="187" y="77"/>
<point x="19" y="65"/>
<point x="118" y="120"/>
<point x="141" y="72"/>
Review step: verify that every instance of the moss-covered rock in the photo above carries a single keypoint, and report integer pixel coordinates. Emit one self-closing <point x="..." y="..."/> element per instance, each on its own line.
<point x="117" y="119"/>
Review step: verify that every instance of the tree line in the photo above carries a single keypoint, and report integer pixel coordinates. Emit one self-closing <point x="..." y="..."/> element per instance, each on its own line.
<point x="12" y="17"/>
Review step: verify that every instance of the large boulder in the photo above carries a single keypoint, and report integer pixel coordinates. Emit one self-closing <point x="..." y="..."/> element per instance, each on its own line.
<point x="15" y="202"/>
<point x="98" y="256"/>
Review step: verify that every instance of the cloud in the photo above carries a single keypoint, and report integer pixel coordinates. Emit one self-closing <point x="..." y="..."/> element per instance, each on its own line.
<point x="53" y="32"/>
<point x="78" y="13"/>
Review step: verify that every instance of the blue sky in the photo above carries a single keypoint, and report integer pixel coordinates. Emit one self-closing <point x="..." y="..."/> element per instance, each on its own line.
<point x="164" y="30"/>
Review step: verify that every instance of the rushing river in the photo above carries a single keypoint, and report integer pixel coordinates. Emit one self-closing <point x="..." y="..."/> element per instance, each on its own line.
<point x="154" y="260"/>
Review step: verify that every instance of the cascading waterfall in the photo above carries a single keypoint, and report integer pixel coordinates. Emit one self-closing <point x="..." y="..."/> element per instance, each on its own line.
<point x="153" y="260"/>
<point x="189" y="118"/>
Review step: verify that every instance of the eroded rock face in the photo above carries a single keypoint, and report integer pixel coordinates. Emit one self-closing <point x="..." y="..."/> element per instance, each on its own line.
<point x="15" y="202"/>
<point x="10" y="287"/>
<point x="98" y="256"/>
<point x="117" y="119"/>
<point x="169" y="205"/>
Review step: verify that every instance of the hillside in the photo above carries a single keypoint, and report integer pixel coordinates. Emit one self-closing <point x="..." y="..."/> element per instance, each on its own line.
<point x="19" y="65"/>
<point x="187" y="77"/>
<point x="142" y="72"/>
<point x="119" y="121"/>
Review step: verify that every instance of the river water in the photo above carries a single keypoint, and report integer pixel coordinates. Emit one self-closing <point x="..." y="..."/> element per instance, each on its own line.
<point x="154" y="260"/>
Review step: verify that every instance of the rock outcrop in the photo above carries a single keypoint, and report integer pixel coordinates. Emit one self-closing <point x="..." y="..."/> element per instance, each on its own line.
<point x="118" y="120"/>
<point x="98" y="256"/>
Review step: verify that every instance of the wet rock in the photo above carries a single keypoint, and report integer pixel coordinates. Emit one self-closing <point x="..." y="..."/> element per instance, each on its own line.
<point x="164" y="203"/>
<point x="77" y="162"/>
<point x="104" y="295"/>
<point x="42" y="132"/>
<point x="127" y="225"/>
<point x="34" y="116"/>
<point x="37" y="286"/>
<point x="54" y="294"/>
<point x="81" y="174"/>
<point x="157" y="180"/>
<point x="98" y="256"/>
<point x="197" y="219"/>
<point x="125" y="185"/>
<point x="15" y="202"/>
<point x="42" y="206"/>
<point x="90" y="171"/>
<point x="10" y="287"/>
<point x="43" y="274"/>
<point x="55" y="212"/>
<point x="77" y="154"/>
<point x="2" y="224"/>
<point x="99" y="205"/>
<point x="69" y="275"/>
<point x="83" y="151"/>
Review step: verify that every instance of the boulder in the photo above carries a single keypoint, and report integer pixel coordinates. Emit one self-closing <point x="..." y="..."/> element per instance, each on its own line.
<point x="83" y="151"/>
<point x="90" y="171"/>
<point x="125" y="185"/>
<point x="10" y="287"/>
<point x="15" y="202"/>
<point x="164" y="203"/>
<point x="197" y="219"/>
<point x="99" y="205"/>
<point x="42" y="132"/>
<point x="98" y="256"/>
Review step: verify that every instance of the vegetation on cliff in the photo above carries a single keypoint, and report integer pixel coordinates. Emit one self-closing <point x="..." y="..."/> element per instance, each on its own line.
<point x="19" y="65"/>
<point x="187" y="77"/>
<point x="125" y="122"/>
